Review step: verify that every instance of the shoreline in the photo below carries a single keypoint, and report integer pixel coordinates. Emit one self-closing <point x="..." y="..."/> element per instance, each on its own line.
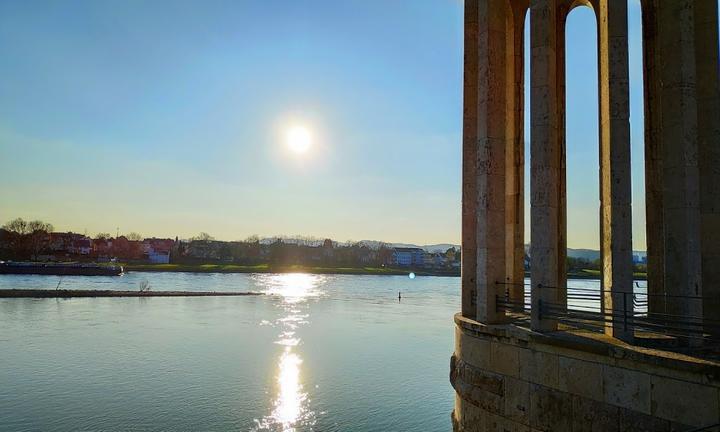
<point x="32" y="293"/>
<point x="361" y="271"/>
<point x="371" y="271"/>
<point x="230" y="268"/>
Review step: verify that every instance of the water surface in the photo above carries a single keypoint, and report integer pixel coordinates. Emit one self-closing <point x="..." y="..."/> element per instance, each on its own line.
<point x="324" y="353"/>
<point x="318" y="353"/>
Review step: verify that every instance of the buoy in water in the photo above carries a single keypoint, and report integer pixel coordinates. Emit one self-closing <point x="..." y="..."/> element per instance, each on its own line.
<point x="411" y="275"/>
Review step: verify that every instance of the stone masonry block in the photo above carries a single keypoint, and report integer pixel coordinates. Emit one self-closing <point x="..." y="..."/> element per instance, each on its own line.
<point x="495" y="423"/>
<point x="472" y="350"/>
<point x="684" y="402"/>
<point x="550" y="410"/>
<point x="637" y="422"/>
<point x="581" y="378"/>
<point x="593" y="416"/>
<point x="539" y="367"/>
<point x="627" y="388"/>
<point x="504" y="359"/>
<point x="517" y="400"/>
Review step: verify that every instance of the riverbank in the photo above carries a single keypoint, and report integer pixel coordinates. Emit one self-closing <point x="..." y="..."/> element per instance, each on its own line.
<point x="59" y="269"/>
<point x="31" y="293"/>
<point x="266" y="268"/>
<point x="596" y="274"/>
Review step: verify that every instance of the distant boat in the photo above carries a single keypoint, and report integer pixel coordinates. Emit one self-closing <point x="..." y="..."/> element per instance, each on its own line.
<point x="59" y="269"/>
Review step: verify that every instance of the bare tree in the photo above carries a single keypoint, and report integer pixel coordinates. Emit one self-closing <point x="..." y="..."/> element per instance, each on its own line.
<point x="203" y="236"/>
<point x="28" y="238"/>
<point x="38" y="236"/>
<point x="17" y="226"/>
<point x="102" y="236"/>
<point x="134" y="236"/>
<point x="39" y="226"/>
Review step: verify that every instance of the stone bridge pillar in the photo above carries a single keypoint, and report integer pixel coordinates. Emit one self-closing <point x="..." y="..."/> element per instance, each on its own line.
<point x="547" y="157"/>
<point x="615" y="179"/>
<point x="492" y="158"/>
<point x="706" y="58"/>
<point x="683" y="154"/>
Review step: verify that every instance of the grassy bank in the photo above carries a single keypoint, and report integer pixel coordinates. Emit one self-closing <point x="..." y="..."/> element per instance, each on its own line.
<point x="267" y="268"/>
<point x="264" y="268"/>
<point x="596" y="274"/>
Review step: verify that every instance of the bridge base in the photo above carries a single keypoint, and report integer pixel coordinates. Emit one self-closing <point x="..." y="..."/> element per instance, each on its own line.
<point x="508" y="378"/>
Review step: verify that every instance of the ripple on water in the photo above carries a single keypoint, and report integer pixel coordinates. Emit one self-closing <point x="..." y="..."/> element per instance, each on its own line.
<point x="292" y="405"/>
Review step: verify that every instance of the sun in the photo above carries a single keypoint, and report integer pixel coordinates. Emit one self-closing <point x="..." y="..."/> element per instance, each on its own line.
<point x="299" y="139"/>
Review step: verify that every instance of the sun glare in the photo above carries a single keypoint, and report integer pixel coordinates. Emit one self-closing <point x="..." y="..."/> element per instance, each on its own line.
<point x="299" y="139"/>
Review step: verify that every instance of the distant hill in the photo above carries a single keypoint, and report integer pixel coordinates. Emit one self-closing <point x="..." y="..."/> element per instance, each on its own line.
<point x="587" y="254"/>
<point x="592" y="255"/>
<point x="373" y="244"/>
<point x="440" y="247"/>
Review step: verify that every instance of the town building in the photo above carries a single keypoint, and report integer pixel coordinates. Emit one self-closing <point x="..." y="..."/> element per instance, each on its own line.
<point x="408" y="257"/>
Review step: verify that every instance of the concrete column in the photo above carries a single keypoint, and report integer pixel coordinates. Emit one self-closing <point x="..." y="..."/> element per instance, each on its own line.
<point x="615" y="180"/>
<point x="545" y="168"/>
<point x="469" y="163"/>
<point x="560" y="100"/>
<point x="495" y="123"/>
<point x="708" y="94"/>
<point x="654" y="222"/>
<point x="490" y="166"/>
<point x="679" y="135"/>
<point x="515" y="163"/>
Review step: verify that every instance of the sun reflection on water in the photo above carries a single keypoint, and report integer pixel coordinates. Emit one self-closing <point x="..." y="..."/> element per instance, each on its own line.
<point x="293" y="287"/>
<point x="291" y="404"/>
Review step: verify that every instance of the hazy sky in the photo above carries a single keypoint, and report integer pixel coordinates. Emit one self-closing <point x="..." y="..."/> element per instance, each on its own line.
<point x="169" y="118"/>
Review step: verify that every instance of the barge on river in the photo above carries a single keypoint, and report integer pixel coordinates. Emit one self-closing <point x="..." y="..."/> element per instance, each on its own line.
<point x="60" y="269"/>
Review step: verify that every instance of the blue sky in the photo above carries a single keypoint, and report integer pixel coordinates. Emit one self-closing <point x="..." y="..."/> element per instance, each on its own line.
<point x="168" y="118"/>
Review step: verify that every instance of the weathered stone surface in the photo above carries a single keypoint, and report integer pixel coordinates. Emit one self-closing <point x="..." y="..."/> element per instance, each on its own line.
<point x="466" y="374"/>
<point x="517" y="400"/>
<point x="591" y="392"/>
<point x="495" y="423"/>
<point x="480" y="388"/>
<point x="550" y="410"/>
<point x="539" y="367"/>
<point x="637" y="422"/>
<point x="468" y="417"/>
<point x="684" y="402"/>
<point x="581" y="378"/>
<point x="593" y="416"/>
<point x="472" y="350"/>
<point x="627" y="388"/>
<point x="505" y="359"/>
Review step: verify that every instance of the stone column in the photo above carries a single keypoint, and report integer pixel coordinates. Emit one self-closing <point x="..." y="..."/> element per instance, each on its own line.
<point x="561" y="102"/>
<point x="545" y="166"/>
<point x="615" y="180"/>
<point x="679" y="135"/>
<point x="495" y="121"/>
<point x="490" y="139"/>
<point x="654" y="223"/>
<point x="469" y="162"/>
<point x="515" y="163"/>
<point x="708" y="94"/>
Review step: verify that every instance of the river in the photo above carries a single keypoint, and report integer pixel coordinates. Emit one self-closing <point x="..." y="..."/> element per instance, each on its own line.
<point x="319" y="353"/>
